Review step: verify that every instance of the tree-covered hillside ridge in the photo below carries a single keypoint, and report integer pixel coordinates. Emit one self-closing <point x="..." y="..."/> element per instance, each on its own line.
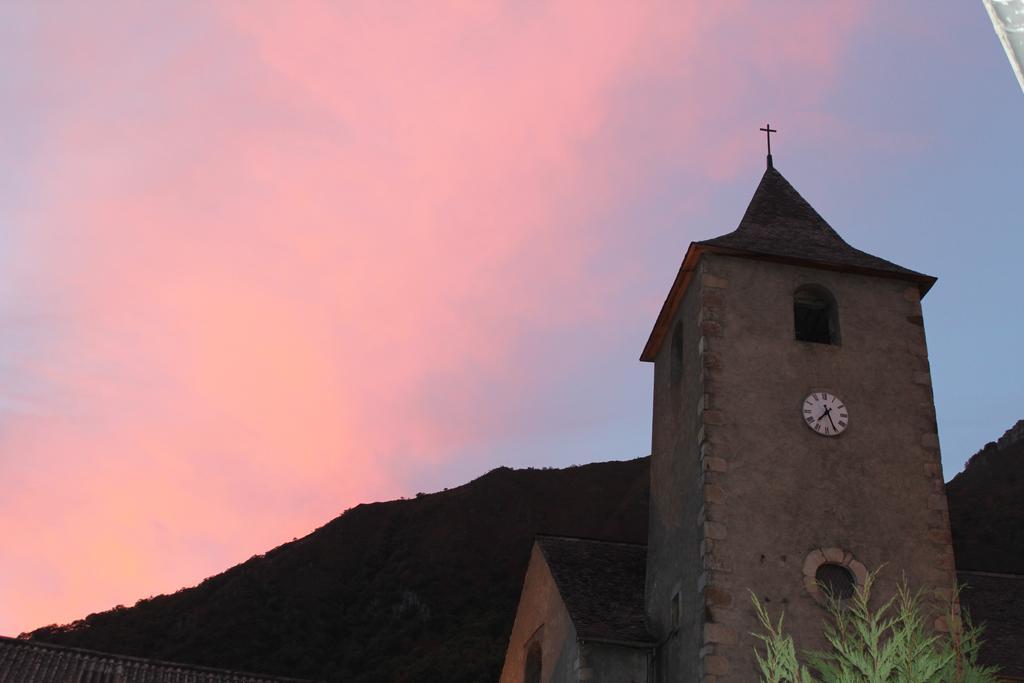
<point x="986" y="507"/>
<point x="426" y="589"/>
<point x="410" y="590"/>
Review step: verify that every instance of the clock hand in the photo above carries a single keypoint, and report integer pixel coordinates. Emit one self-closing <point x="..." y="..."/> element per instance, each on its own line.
<point x="830" y="420"/>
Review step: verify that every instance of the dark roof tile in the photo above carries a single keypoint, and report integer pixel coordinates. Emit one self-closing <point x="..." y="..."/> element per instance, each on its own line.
<point x="602" y="585"/>
<point x="30" y="661"/>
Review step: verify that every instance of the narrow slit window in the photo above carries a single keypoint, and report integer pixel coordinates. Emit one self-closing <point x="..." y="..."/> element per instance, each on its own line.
<point x="676" y="362"/>
<point x="815" y="316"/>
<point x="532" y="670"/>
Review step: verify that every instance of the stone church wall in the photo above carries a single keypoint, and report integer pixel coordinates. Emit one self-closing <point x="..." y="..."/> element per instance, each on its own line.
<point x="542" y="618"/>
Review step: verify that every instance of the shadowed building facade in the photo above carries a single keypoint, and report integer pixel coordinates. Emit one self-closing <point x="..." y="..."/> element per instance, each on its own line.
<point x="581" y="612"/>
<point x="794" y="445"/>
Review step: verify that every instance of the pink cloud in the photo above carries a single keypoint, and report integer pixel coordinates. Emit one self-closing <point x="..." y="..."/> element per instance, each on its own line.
<point x="290" y="259"/>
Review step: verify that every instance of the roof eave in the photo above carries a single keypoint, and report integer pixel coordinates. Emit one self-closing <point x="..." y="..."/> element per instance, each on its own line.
<point x="923" y="282"/>
<point x="675" y="295"/>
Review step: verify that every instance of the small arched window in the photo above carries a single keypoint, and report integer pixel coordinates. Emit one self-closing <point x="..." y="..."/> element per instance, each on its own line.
<point x="836" y="580"/>
<point x="815" y="315"/>
<point x="676" y="362"/>
<point x="532" y="670"/>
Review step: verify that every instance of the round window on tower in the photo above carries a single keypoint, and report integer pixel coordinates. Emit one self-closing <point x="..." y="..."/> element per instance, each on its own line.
<point x="832" y="571"/>
<point x="836" y="580"/>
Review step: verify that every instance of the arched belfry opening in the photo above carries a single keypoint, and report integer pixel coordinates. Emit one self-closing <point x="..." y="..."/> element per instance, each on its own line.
<point x="815" y="315"/>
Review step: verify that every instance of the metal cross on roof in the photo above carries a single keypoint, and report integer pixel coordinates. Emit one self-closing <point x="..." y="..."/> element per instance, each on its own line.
<point x="768" y="130"/>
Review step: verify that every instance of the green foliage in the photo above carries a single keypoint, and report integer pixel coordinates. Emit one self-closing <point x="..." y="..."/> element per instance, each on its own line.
<point x="888" y="644"/>
<point x="779" y="665"/>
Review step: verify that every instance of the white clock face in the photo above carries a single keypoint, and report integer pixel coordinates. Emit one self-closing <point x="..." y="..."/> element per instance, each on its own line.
<point x="825" y="414"/>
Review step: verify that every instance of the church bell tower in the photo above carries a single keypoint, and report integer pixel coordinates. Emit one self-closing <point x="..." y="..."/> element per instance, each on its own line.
<point x="794" y="437"/>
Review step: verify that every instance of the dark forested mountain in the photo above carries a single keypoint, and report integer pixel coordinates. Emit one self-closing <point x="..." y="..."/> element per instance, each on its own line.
<point x="986" y="507"/>
<point x="410" y="590"/>
<point x="426" y="589"/>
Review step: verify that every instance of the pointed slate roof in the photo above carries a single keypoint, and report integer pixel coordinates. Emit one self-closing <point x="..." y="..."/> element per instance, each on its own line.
<point x="780" y="225"/>
<point x="779" y="222"/>
<point x="602" y="586"/>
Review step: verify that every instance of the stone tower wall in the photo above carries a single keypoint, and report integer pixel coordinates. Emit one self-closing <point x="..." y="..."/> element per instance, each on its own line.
<point x="746" y="497"/>
<point x="674" y="535"/>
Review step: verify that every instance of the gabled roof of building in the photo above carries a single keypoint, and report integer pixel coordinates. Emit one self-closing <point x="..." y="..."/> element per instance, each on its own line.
<point x="31" y="661"/>
<point x="602" y="586"/>
<point x="779" y="225"/>
<point x="997" y="601"/>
